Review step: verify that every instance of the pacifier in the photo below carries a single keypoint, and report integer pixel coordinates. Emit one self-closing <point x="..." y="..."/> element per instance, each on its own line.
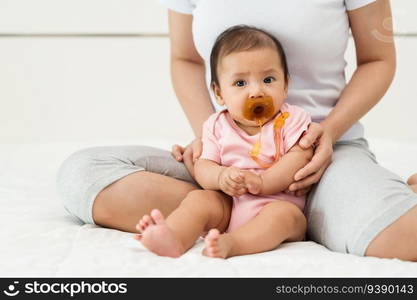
<point x="260" y="110"/>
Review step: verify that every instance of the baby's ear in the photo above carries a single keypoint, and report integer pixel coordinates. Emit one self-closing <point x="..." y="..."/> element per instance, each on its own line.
<point x="218" y="94"/>
<point x="286" y="86"/>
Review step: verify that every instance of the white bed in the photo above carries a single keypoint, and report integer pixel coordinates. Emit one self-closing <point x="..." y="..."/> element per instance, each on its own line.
<point x="38" y="238"/>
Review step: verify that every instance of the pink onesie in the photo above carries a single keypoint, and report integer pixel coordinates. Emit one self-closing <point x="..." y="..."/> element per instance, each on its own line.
<point x="228" y="145"/>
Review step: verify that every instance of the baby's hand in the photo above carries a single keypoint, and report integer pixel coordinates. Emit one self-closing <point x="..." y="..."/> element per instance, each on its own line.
<point x="231" y="181"/>
<point x="253" y="182"/>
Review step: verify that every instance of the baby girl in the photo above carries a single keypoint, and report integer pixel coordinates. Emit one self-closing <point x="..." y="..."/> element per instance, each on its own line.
<point x="250" y="152"/>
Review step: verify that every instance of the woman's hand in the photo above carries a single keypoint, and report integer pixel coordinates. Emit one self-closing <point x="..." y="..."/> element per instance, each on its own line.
<point x="319" y="138"/>
<point x="232" y="182"/>
<point x="189" y="154"/>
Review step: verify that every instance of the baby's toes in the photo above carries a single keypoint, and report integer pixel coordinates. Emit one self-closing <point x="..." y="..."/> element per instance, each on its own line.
<point x="140" y="226"/>
<point x="212" y="238"/>
<point x="137" y="237"/>
<point x="144" y="223"/>
<point x="211" y="243"/>
<point x="148" y="220"/>
<point x="211" y="251"/>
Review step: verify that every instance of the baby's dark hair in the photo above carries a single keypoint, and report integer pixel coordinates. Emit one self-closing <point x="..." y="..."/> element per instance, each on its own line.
<point x="243" y="38"/>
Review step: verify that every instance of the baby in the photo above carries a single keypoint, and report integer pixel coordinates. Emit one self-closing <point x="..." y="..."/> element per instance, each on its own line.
<point x="250" y="152"/>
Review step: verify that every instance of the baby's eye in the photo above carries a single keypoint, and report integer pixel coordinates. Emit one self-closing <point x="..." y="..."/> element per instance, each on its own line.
<point x="269" y="79"/>
<point x="240" y="83"/>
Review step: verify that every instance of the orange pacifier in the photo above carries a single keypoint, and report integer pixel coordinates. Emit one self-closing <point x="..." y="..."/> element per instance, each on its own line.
<point x="260" y="110"/>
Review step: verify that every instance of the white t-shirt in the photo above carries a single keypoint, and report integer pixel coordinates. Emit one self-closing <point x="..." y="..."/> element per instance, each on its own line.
<point x="314" y="34"/>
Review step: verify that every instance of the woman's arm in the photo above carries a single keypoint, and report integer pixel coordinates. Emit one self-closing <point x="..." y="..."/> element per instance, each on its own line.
<point x="188" y="72"/>
<point x="279" y="176"/>
<point x="375" y="52"/>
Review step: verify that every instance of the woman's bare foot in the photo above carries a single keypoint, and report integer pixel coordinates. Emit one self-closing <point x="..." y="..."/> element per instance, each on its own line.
<point x="157" y="237"/>
<point x="412" y="182"/>
<point x="217" y="245"/>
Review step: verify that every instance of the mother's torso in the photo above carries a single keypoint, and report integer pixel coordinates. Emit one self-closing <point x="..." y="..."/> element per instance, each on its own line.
<point x="314" y="34"/>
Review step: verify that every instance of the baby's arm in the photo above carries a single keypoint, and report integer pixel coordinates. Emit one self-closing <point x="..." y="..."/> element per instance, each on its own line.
<point x="212" y="176"/>
<point x="279" y="176"/>
<point x="207" y="173"/>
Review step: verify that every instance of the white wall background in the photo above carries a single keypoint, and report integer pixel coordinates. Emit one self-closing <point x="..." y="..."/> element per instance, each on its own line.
<point x="56" y="85"/>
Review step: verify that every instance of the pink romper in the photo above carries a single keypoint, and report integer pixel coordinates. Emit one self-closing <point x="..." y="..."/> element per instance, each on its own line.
<point x="225" y="143"/>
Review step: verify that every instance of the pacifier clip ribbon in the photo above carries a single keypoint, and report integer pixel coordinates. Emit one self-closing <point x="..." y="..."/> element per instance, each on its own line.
<point x="258" y="110"/>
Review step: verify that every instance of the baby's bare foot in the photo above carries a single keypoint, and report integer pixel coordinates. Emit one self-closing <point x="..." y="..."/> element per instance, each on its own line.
<point x="217" y="245"/>
<point x="157" y="237"/>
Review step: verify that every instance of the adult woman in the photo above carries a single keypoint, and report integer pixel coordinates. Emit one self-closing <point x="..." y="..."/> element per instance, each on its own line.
<point x="364" y="210"/>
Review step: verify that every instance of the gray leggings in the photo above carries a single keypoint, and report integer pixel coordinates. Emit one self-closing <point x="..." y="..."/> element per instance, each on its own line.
<point x="355" y="199"/>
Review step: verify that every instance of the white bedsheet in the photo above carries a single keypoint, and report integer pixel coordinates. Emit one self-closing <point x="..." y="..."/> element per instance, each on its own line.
<point x="39" y="239"/>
